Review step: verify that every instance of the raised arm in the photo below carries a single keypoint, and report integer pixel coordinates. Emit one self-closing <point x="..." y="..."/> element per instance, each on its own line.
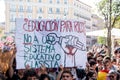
<point x="60" y="73"/>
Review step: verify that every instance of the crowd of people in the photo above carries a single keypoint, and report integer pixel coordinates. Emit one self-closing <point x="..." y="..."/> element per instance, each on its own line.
<point x="99" y="66"/>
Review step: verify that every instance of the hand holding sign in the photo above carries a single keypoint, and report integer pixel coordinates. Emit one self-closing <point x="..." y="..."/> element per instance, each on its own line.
<point x="50" y="42"/>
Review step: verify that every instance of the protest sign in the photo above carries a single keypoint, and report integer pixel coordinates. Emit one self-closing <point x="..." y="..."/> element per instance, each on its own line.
<point x="50" y="42"/>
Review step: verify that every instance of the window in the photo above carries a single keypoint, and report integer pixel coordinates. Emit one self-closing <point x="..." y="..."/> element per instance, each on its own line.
<point x="21" y="8"/>
<point x="57" y="10"/>
<point x="12" y="17"/>
<point x="28" y="0"/>
<point x="12" y="8"/>
<point x="58" y="1"/>
<point x="57" y="18"/>
<point x="88" y="37"/>
<point x="65" y="1"/>
<point x="29" y="16"/>
<point x="50" y="1"/>
<point x="29" y="9"/>
<point x="39" y="1"/>
<point x="50" y="10"/>
<point x="21" y="16"/>
<point x="88" y="27"/>
<point x="65" y="11"/>
<point x="39" y="17"/>
<point x="12" y="28"/>
<point x="39" y="10"/>
<point x="88" y="42"/>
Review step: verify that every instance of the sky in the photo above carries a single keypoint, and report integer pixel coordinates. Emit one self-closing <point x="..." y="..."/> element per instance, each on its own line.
<point x="2" y="11"/>
<point x="2" y="7"/>
<point x="90" y="2"/>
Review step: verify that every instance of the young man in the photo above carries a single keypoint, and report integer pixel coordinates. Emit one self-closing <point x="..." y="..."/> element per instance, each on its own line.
<point x="102" y="74"/>
<point x="66" y="75"/>
<point x="30" y="74"/>
<point x="112" y="75"/>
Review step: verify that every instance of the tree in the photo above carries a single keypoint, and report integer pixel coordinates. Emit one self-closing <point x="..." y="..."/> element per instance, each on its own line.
<point x="101" y="40"/>
<point x="110" y="9"/>
<point x="117" y="25"/>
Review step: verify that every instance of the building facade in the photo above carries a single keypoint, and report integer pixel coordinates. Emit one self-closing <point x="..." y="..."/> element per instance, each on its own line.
<point x="83" y="12"/>
<point x="97" y="24"/>
<point x="47" y="9"/>
<point x="2" y="30"/>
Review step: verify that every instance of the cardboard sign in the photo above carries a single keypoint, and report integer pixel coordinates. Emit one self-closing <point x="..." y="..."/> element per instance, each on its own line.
<point x="50" y="42"/>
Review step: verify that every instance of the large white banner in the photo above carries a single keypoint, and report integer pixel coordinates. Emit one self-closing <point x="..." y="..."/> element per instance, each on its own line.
<point x="50" y="42"/>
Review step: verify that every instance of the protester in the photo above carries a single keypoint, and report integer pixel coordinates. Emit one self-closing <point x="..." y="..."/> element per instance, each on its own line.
<point x="112" y="67"/>
<point x="19" y="75"/>
<point x="61" y="69"/>
<point x="30" y="74"/>
<point x="112" y="75"/>
<point x="92" y="66"/>
<point x="91" y="75"/>
<point x="2" y="77"/>
<point x="99" y="66"/>
<point x="66" y="75"/>
<point x="81" y="74"/>
<point x="117" y="55"/>
<point x="102" y="74"/>
<point x="44" y="71"/>
<point x="44" y="77"/>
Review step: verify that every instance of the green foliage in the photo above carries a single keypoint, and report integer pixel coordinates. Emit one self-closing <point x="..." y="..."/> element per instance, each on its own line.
<point x="117" y="24"/>
<point x="101" y="40"/>
<point x="110" y="9"/>
<point x="3" y="37"/>
<point x="104" y="9"/>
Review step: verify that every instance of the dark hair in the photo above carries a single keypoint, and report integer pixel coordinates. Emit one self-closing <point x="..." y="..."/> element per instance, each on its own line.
<point x="90" y="58"/>
<point x="29" y="73"/>
<point x="104" y="45"/>
<point x="43" y="76"/>
<point x="90" y="53"/>
<point x="80" y="73"/>
<point x="89" y="74"/>
<point x="105" y="62"/>
<point x="2" y="77"/>
<point x="66" y="71"/>
<point x="113" y="60"/>
<point x="92" y="63"/>
<point x="117" y="50"/>
<point x="107" y="58"/>
<point x="102" y="52"/>
<point x="100" y="55"/>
